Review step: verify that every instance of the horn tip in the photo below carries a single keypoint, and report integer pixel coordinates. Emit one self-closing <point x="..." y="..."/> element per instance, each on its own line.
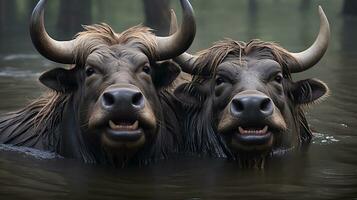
<point x="172" y="14"/>
<point x="323" y="19"/>
<point x="187" y="4"/>
<point x="321" y="11"/>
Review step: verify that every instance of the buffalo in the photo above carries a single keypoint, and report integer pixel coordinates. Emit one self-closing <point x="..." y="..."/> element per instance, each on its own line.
<point x="242" y="102"/>
<point x="114" y="104"/>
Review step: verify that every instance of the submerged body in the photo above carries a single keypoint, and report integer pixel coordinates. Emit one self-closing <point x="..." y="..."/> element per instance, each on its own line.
<point x="242" y="102"/>
<point x="114" y="105"/>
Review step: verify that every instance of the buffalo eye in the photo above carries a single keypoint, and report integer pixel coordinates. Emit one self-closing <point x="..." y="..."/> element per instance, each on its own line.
<point x="90" y="71"/>
<point x="147" y="69"/>
<point x="278" y="78"/>
<point x="219" y="81"/>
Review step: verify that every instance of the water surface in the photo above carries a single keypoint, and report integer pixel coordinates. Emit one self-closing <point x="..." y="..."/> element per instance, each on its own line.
<point x="328" y="170"/>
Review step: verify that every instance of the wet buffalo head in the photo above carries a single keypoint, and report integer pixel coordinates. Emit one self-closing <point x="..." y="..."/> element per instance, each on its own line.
<point x="247" y="91"/>
<point x="116" y="76"/>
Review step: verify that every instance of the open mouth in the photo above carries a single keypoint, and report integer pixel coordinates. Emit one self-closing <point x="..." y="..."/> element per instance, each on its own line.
<point x="253" y="135"/>
<point x="124" y="130"/>
<point x="253" y="131"/>
<point x="124" y="126"/>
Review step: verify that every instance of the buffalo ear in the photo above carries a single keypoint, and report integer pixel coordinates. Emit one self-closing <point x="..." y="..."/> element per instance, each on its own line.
<point x="165" y="73"/>
<point x="192" y="94"/>
<point x="308" y="91"/>
<point x="60" y="80"/>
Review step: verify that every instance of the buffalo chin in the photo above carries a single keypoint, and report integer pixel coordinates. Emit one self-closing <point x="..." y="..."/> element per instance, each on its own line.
<point x="252" y="142"/>
<point x="124" y="136"/>
<point x="123" y="139"/>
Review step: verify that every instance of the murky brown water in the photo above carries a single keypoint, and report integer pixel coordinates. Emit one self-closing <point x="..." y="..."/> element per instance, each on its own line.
<point x="328" y="170"/>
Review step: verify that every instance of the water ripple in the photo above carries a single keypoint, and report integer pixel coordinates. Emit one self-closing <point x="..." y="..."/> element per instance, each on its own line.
<point x="17" y="73"/>
<point x="20" y="57"/>
<point x="38" y="154"/>
<point x="321" y="138"/>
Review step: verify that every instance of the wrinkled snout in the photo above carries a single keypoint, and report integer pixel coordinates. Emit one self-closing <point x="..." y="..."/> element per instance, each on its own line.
<point x="251" y="107"/>
<point x="124" y="116"/>
<point x="125" y="100"/>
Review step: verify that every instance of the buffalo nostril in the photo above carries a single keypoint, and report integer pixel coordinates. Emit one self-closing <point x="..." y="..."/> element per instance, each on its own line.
<point x="138" y="99"/>
<point x="266" y="105"/>
<point x="237" y="106"/>
<point x="108" y="99"/>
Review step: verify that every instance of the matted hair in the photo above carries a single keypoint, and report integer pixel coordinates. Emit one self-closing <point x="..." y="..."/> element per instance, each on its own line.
<point x="98" y="35"/>
<point x="210" y="58"/>
<point x="206" y="64"/>
<point x="40" y="118"/>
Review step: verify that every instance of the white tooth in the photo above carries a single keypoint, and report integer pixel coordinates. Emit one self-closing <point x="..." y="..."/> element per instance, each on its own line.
<point x="135" y="125"/>
<point x="265" y="129"/>
<point x="241" y="130"/>
<point x="111" y="124"/>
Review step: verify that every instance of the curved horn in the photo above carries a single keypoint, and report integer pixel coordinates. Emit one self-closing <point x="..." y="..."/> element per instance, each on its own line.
<point x="57" y="51"/>
<point x="314" y="53"/>
<point x="185" y="60"/>
<point x="181" y="40"/>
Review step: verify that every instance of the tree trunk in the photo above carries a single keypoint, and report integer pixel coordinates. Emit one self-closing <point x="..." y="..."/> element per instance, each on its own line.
<point x="30" y="6"/>
<point x="252" y="18"/>
<point x="349" y="7"/>
<point x="73" y="14"/>
<point x="7" y="15"/>
<point x="305" y="5"/>
<point x="253" y="7"/>
<point x="157" y="16"/>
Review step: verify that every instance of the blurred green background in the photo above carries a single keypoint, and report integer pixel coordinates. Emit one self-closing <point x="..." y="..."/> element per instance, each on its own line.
<point x="239" y="19"/>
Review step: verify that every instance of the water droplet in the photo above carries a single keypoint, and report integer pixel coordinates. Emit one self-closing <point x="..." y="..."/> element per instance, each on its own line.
<point x="344" y="125"/>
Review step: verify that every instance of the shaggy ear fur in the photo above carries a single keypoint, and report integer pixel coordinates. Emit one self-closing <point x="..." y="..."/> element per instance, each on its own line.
<point x="165" y="73"/>
<point x="60" y="80"/>
<point x="308" y="91"/>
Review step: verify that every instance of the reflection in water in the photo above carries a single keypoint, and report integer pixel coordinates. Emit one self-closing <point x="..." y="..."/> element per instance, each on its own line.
<point x="327" y="170"/>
